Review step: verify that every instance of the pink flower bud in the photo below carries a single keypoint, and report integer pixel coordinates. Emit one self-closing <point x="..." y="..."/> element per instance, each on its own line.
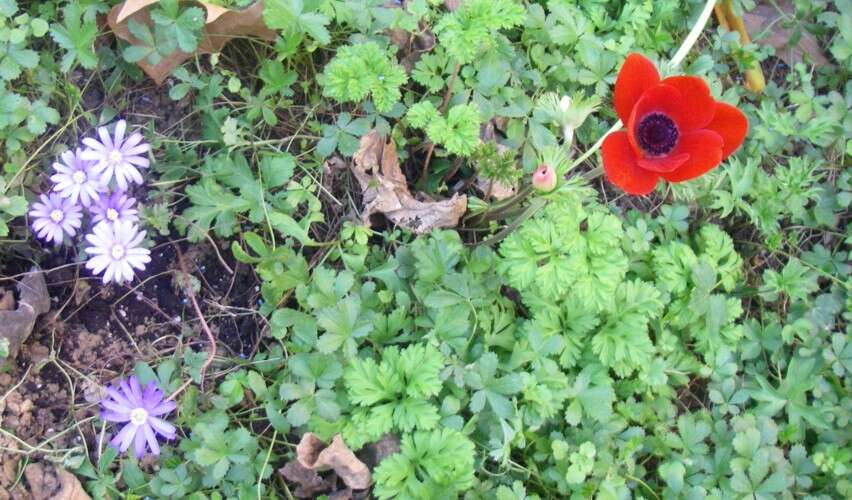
<point x="544" y="178"/>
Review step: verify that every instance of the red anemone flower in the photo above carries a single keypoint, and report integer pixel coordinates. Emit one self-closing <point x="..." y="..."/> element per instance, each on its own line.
<point x="675" y="129"/>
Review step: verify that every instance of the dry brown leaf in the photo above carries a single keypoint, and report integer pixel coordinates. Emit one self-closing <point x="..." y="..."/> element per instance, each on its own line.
<point x="221" y="26"/>
<point x="49" y="483"/>
<point x="340" y="458"/>
<point x="308" y="450"/>
<point x="385" y="190"/>
<point x="496" y="190"/>
<point x="7" y="300"/>
<point x="310" y="484"/>
<point x="766" y="15"/>
<point x="372" y="454"/>
<point x="312" y="453"/>
<point x="16" y="326"/>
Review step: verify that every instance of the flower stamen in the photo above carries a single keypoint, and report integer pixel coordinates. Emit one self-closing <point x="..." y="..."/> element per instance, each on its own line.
<point x="657" y="134"/>
<point x="138" y="416"/>
<point x="117" y="252"/>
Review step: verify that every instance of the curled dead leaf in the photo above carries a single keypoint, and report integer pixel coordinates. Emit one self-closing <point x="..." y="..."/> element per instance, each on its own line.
<point x="312" y="453"/>
<point x="16" y="325"/>
<point x="221" y="26"/>
<point x="310" y="484"/>
<point x="47" y="482"/>
<point x="385" y="190"/>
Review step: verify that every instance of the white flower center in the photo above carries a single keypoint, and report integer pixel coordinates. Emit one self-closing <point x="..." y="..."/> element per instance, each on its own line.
<point x="117" y="252"/>
<point x="57" y="216"/>
<point x="138" y="416"/>
<point x="78" y="177"/>
<point x="112" y="214"/>
<point x="115" y="157"/>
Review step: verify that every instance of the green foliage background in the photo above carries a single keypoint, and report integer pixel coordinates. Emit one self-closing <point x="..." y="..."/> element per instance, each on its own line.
<point x="696" y="345"/>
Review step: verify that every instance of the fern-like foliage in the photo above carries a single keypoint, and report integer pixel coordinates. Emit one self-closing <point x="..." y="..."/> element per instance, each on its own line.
<point x="692" y="277"/>
<point x="571" y="249"/>
<point x="458" y="132"/>
<point x="472" y="28"/>
<point x="393" y="394"/>
<point x="430" y="464"/>
<point x="359" y="71"/>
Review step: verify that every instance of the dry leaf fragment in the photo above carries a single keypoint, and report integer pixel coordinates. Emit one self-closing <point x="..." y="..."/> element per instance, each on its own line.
<point x="49" y="483"/>
<point x="221" y="26"/>
<point x="16" y="325"/>
<point x="385" y="190"/>
<point x="312" y="453"/>
<point x="310" y="483"/>
<point x="766" y="15"/>
<point x="373" y="453"/>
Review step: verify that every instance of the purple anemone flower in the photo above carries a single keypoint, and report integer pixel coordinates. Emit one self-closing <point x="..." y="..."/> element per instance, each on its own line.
<point x="139" y="410"/>
<point x="115" y="207"/>
<point x="117" y="156"/>
<point x="75" y="180"/>
<point x="55" y="217"/>
<point x="115" y="251"/>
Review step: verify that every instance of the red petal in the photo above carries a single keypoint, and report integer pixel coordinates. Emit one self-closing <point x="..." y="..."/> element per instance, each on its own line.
<point x="660" y="98"/>
<point x="705" y="152"/>
<point x="637" y="75"/>
<point x="699" y="105"/>
<point x="620" y="165"/>
<point x="730" y="123"/>
<point x="663" y="164"/>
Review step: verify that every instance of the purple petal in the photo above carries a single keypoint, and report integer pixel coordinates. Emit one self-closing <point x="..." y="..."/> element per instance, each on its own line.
<point x="106" y="140"/>
<point x="139" y="442"/>
<point x="118" y="397"/>
<point x="111" y="416"/>
<point x="152" y="440"/>
<point x="120" y="127"/>
<point x="124" y="437"/>
<point x="95" y="148"/>
<point x="162" y="427"/>
<point x="115" y="407"/>
<point x="162" y="408"/>
<point x="130" y="395"/>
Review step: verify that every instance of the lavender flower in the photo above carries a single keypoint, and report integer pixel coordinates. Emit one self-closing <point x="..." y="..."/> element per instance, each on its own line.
<point x="115" y="249"/>
<point x="117" y="156"/>
<point x="115" y="207"/>
<point x="139" y="409"/>
<point x="75" y="180"/>
<point x="54" y="217"/>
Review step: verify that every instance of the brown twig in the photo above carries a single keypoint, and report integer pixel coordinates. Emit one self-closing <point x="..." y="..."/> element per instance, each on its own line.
<point x="212" y="354"/>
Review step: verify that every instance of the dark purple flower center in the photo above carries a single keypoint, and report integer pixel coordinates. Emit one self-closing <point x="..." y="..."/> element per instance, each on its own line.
<point x="657" y="134"/>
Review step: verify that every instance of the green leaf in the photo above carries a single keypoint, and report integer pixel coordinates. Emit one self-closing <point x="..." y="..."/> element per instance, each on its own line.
<point x="182" y="27"/>
<point x="77" y="37"/>
<point x="290" y="16"/>
<point x="491" y="388"/>
<point x="344" y="324"/>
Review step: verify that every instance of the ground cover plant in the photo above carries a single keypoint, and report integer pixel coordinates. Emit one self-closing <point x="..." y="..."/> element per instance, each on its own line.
<point x="502" y="249"/>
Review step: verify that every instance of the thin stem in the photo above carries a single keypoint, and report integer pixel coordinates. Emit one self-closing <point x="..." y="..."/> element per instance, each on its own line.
<point x="693" y="35"/>
<point x="212" y="354"/>
<point x="266" y="463"/>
